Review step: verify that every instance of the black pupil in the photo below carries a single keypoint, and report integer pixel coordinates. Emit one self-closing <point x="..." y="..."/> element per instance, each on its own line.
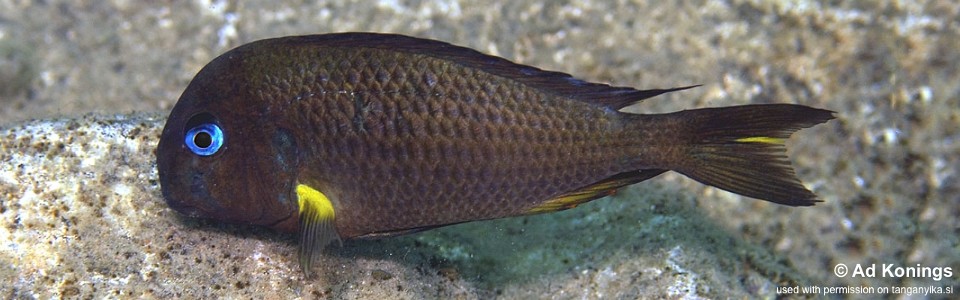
<point x="202" y="139"/>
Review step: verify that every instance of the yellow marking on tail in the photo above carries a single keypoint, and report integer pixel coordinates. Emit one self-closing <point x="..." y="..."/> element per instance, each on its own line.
<point x="313" y="200"/>
<point x="762" y="139"/>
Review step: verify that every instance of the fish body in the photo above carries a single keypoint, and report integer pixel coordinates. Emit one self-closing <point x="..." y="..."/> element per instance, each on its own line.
<point x="352" y="135"/>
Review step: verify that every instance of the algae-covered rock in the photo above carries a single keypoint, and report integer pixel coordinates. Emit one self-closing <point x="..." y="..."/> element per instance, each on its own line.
<point x="82" y="215"/>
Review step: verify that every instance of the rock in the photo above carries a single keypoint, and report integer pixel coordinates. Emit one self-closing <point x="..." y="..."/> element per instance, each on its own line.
<point x="82" y="215"/>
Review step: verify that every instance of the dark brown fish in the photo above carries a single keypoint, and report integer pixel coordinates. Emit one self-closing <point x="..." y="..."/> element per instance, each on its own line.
<point x="359" y="134"/>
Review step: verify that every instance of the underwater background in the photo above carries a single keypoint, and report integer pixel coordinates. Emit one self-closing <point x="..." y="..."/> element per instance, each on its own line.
<point x="81" y="212"/>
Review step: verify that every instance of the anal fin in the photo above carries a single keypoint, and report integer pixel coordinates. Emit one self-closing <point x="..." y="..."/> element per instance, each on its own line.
<point x="593" y="191"/>
<point x="317" y="228"/>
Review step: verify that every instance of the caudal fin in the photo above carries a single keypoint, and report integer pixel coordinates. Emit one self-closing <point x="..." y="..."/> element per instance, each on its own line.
<point x="741" y="149"/>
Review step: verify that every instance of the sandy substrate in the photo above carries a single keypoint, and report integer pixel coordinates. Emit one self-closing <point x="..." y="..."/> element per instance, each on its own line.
<point x="81" y="212"/>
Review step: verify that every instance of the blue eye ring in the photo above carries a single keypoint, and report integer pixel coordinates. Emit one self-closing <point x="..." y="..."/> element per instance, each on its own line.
<point x="204" y="139"/>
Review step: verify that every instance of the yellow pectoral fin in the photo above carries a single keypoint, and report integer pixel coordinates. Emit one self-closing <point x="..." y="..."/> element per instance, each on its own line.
<point x="762" y="139"/>
<point x="313" y="200"/>
<point x="316" y="224"/>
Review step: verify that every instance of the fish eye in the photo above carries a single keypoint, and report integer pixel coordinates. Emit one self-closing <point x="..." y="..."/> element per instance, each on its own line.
<point x="204" y="137"/>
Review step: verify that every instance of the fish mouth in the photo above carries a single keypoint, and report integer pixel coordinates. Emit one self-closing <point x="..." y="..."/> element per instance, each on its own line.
<point x="188" y="202"/>
<point x="182" y="205"/>
<point x="186" y="210"/>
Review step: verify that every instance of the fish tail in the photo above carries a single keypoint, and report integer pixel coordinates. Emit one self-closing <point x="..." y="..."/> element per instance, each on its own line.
<point x="741" y="149"/>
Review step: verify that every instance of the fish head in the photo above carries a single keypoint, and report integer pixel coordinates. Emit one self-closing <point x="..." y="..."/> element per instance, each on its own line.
<point x="222" y="156"/>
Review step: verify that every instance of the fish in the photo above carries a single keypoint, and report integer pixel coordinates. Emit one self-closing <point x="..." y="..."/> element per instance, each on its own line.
<point x="364" y="135"/>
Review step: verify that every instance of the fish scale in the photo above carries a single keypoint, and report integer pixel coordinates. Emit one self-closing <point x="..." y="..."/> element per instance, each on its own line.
<point x="419" y="207"/>
<point x="353" y="135"/>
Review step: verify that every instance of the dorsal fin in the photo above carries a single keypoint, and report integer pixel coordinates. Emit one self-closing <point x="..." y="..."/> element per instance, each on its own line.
<point x="556" y="82"/>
